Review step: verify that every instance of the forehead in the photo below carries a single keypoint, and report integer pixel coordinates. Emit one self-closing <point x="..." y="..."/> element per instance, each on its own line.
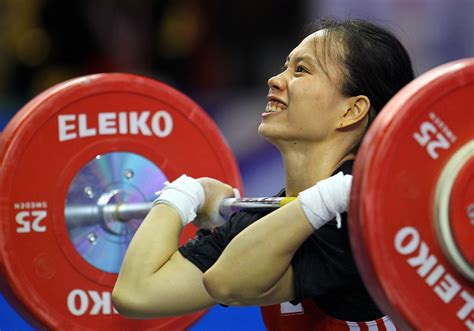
<point x="315" y="37"/>
<point x="311" y="44"/>
<point x="321" y="47"/>
<point x="323" y="50"/>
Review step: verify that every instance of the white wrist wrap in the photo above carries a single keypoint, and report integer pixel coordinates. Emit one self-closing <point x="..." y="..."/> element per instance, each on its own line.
<point x="185" y="194"/>
<point x="326" y="200"/>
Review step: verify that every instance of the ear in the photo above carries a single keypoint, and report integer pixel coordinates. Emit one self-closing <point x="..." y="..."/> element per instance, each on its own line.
<point x="356" y="111"/>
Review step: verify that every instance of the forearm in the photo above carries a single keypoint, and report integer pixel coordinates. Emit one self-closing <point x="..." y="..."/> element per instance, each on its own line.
<point x="155" y="279"/>
<point x="155" y="241"/>
<point x="260" y="254"/>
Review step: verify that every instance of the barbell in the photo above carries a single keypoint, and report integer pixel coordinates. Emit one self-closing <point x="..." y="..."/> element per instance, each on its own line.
<point x="126" y="212"/>
<point x="81" y="163"/>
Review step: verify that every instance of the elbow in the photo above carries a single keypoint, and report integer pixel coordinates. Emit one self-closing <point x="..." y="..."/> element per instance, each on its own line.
<point x="219" y="290"/>
<point x="123" y="303"/>
<point x="139" y="303"/>
<point x="223" y="289"/>
<point x="127" y="303"/>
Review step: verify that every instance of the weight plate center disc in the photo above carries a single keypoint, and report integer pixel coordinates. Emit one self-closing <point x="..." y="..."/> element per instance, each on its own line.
<point x="110" y="179"/>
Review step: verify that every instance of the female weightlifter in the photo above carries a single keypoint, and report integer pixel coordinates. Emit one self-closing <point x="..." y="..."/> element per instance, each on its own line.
<point x="295" y="262"/>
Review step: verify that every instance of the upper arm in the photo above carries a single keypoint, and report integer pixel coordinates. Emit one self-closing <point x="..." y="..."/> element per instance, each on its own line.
<point x="175" y="290"/>
<point x="281" y="291"/>
<point x="256" y="267"/>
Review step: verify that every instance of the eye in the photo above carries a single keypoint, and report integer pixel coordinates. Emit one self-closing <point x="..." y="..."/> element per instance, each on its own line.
<point x="300" y="69"/>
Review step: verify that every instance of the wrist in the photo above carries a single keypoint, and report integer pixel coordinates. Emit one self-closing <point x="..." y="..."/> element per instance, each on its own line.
<point x="326" y="200"/>
<point x="185" y="195"/>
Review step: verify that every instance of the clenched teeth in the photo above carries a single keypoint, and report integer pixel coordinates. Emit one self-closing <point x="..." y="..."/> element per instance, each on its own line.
<point x="274" y="106"/>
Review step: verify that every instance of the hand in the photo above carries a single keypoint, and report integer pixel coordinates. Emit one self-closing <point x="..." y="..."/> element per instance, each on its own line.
<point x="208" y="216"/>
<point x="185" y="195"/>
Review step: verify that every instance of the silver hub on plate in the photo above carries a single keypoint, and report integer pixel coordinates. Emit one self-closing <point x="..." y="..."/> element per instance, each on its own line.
<point x="102" y="238"/>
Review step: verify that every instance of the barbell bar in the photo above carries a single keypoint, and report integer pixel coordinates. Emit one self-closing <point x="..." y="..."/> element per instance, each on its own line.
<point x="127" y="211"/>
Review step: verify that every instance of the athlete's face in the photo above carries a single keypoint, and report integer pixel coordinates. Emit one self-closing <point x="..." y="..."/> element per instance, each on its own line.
<point x="304" y="101"/>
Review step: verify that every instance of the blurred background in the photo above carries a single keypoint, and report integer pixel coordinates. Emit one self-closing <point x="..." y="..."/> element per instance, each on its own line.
<point x="220" y="53"/>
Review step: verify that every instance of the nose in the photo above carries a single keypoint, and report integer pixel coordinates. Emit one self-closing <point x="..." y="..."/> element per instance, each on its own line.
<point x="276" y="83"/>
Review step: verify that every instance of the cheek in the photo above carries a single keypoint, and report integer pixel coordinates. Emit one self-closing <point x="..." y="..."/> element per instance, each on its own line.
<point x="307" y="94"/>
<point x="307" y="106"/>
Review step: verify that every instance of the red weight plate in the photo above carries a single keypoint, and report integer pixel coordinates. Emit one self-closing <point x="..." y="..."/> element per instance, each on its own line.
<point x="393" y="233"/>
<point x="58" y="138"/>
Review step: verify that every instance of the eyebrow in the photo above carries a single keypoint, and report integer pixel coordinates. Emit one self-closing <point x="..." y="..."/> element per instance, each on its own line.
<point x="307" y="58"/>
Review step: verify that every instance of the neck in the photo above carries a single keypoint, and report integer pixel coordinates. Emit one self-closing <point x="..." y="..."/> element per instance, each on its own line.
<point x="308" y="163"/>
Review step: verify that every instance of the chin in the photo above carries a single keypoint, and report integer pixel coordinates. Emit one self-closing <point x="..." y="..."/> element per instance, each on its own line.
<point x="264" y="131"/>
<point x="272" y="136"/>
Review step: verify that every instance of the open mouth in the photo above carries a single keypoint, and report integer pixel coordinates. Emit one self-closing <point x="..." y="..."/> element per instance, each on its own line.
<point x="274" y="106"/>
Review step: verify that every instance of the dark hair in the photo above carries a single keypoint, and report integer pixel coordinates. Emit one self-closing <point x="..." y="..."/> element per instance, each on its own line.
<point x="375" y="63"/>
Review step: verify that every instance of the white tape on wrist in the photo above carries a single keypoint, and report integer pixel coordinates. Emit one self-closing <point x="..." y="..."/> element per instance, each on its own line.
<point x="185" y="194"/>
<point x="326" y="200"/>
